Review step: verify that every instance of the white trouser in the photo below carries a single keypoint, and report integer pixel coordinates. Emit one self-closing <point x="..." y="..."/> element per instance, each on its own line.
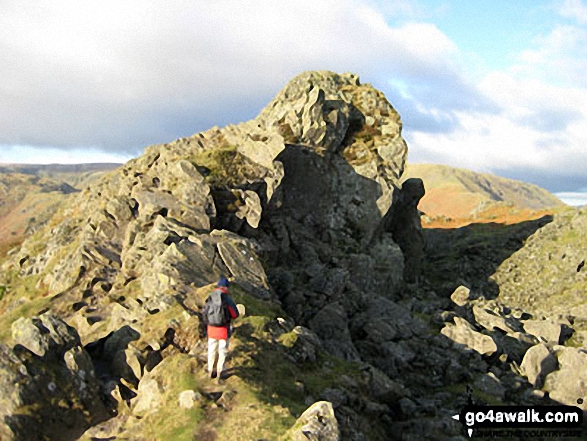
<point x="220" y="348"/>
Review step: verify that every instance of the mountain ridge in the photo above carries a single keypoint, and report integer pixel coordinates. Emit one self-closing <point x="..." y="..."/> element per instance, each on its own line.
<point x="461" y="194"/>
<point x="356" y="325"/>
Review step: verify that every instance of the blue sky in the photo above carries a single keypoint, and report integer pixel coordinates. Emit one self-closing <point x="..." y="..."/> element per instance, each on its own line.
<point x="493" y="86"/>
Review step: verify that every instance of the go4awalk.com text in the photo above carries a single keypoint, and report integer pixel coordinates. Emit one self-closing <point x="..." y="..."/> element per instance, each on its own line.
<point x="490" y="421"/>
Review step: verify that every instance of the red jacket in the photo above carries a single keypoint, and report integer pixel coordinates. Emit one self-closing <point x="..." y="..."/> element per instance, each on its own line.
<point x="223" y="332"/>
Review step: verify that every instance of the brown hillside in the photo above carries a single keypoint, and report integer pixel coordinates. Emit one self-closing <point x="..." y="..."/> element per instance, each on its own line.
<point x="456" y="197"/>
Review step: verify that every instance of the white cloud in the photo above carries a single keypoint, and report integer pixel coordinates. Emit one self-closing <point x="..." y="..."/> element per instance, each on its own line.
<point x="574" y="9"/>
<point x="120" y="75"/>
<point x="51" y="155"/>
<point x="576" y="198"/>
<point x="542" y="123"/>
<point x="541" y="126"/>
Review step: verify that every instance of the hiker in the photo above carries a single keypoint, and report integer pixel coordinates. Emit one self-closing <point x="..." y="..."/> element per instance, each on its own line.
<point x="219" y="310"/>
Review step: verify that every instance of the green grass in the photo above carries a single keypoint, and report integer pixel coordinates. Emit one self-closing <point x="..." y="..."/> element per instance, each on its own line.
<point x="20" y="298"/>
<point x="176" y="373"/>
<point x="254" y="305"/>
<point x="226" y="166"/>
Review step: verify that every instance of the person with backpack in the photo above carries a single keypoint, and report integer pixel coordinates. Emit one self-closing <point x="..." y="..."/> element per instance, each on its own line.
<point x="219" y="311"/>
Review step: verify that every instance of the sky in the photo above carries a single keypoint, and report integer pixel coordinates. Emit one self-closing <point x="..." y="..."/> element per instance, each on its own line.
<point x="493" y="86"/>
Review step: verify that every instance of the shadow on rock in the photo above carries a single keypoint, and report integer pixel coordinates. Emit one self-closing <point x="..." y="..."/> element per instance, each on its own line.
<point x="470" y="255"/>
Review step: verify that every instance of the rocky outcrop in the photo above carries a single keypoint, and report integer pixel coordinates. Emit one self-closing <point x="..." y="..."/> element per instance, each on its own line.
<point x="568" y="384"/>
<point x="403" y="221"/>
<point x="547" y="276"/>
<point x="538" y="362"/>
<point x="462" y="332"/>
<point x="317" y="423"/>
<point x="459" y="195"/>
<point x="47" y="369"/>
<point x="303" y="209"/>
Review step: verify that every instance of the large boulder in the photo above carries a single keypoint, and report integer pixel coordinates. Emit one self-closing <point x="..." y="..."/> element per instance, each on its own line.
<point x="45" y="335"/>
<point x="317" y="423"/>
<point x="331" y="325"/>
<point x="546" y="330"/>
<point x="462" y="332"/>
<point x="538" y="362"/>
<point x="568" y="384"/>
<point x="46" y="368"/>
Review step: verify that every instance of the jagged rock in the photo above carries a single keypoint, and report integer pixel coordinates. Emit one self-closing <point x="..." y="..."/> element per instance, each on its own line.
<point x="464" y="333"/>
<point x="546" y="330"/>
<point x="403" y="221"/>
<point x="317" y="423"/>
<point x="461" y="295"/>
<point x="491" y="385"/>
<point x="538" y="362"/>
<point x="568" y="384"/>
<point x="120" y="208"/>
<point x="148" y="397"/>
<point x="12" y="374"/>
<point x="306" y="346"/>
<point x="490" y="320"/>
<point x="303" y="188"/>
<point x="331" y="325"/>
<point x="59" y="370"/>
<point x="45" y="335"/>
<point x="240" y="258"/>
<point x="251" y="210"/>
<point x="384" y="389"/>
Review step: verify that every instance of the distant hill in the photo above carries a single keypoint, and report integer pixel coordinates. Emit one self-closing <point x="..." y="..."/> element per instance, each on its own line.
<point x="76" y="175"/>
<point x="30" y="194"/>
<point x="454" y="194"/>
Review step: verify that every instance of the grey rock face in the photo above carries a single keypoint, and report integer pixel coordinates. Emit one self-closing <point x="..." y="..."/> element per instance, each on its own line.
<point x="331" y="325"/>
<point x="546" y="276"/>
<point x="47" y="365"/>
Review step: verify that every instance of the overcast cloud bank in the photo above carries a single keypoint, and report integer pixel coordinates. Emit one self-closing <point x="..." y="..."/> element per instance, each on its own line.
<point x="98" y="81"/>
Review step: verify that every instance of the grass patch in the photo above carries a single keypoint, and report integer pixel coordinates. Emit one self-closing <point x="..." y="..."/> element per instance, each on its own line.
<point x="19" y="297"/>
<point x="176" y="374"/>
<point x="226" y="166"/>
<point x="27" y="309"/>
<point x="254" y="305"/>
